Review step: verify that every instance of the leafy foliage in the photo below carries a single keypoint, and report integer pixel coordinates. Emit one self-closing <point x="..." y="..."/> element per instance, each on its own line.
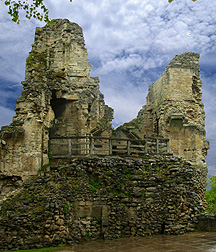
<point x="36" y="9"/>
<point x="211" y="196"/>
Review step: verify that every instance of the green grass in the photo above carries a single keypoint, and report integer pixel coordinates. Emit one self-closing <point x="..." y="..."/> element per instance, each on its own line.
<point x="95" y="185"/>
<point x="44" y="249"/>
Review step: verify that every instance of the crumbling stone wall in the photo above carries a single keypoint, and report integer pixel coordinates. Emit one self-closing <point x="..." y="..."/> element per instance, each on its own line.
<point x="174" y="110"/>
<point x="88" y="198"/>
<point x="59" y="98"/>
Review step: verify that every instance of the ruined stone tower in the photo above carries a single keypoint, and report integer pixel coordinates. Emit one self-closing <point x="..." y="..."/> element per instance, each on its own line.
<point x="174" y="110"/>
<point x="59" y="98"/>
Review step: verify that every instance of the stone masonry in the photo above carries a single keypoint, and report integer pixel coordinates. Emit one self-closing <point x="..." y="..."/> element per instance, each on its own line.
<point x="174" y="110"/>
<point x="94" y="198"/>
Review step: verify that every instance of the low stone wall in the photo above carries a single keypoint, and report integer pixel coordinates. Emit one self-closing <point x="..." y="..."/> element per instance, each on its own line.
<point x="207" y="222"/>
<point x="91" y="198"/>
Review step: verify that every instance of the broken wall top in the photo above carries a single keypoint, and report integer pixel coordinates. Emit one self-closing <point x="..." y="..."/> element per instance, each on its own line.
<point x="57" y="78"/>
<point x="187" y="60"/>
<point x="180" y="82"/>
<point x="58" y="49"/>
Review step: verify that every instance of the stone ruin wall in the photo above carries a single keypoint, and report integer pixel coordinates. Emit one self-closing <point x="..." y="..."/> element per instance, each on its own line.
<point x="59" y="98"/>
<point x="174" y="110"/>
<point x="92" y="198"/>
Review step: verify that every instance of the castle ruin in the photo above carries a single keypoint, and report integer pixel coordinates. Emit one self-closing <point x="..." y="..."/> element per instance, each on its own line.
<point x="60" y="99"/>
<point x="90" y="197"/>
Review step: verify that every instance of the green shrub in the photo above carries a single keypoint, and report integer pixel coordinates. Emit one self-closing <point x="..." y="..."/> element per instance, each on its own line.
<point x="211" y="196"/>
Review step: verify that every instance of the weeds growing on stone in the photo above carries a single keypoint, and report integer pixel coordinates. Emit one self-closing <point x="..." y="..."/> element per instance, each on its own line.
<point x="95" y="185"/>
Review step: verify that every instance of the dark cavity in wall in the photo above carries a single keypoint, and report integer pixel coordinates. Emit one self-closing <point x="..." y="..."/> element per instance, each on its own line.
<point x="163" y="228"/>
<point x="58" y="106"/>
<point x="67" y="117"/>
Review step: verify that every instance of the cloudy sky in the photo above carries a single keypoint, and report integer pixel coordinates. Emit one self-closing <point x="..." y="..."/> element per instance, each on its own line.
<point x="129" y="43"/>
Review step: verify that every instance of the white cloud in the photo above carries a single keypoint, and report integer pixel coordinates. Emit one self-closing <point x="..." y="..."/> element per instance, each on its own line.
<point x="15" y="43"/>
<point x="211" y="170"/>
<point x="121" y="63"/>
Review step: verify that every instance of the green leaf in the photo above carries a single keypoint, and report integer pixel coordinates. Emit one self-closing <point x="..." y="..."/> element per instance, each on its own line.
<point x="7" y="2"/>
